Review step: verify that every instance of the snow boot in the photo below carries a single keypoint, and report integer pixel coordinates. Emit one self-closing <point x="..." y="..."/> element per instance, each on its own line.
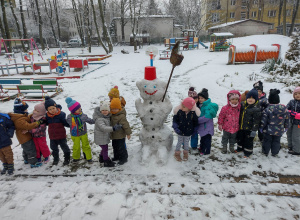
<point x="90" y="161"/>
<point x="101" y="159"/>
<point x="66" y="160"/>
<point x="37" y="164"/>
<point x="47" y="159"/>
<point x="10" y="168"/>
<point x="231" y="148"/>
<point x="177" y="156"/>
<point x="224" y="149"/>
<point x="185" y="155"/>
<point x="4" y="169"/>
<point x="121" y="162"/>
<point x="108" y="163"/>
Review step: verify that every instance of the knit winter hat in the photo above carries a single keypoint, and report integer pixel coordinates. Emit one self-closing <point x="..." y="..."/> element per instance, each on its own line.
<point x="273" y="96"/>
<point x="115" y="103"/>
<point x="233" y="96"/>
<point x="114" y="92"/>
<point x="253" y="93"/>
<point x="204" y="93"/>
<point x="192" y="93"/>
<point x="19" y="106"/>
<point x="49" y="102"/>
<point x="259" y="86"/>
<point x="39" y="112"/>
<point x="105" y="105"/>
<point x="296" y="91"/>
<point x="73" y="106"/>
<point x="189" y="102"/>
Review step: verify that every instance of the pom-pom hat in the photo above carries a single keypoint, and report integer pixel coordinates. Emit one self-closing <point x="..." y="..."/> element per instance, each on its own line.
<point x="114" y="92"/>
<point x="49" y="102"/>
<point x="39" y="112"/>
<point x="192" y="93"/>
<point x="20" y="106"/>
<point x="150" y="73"/>
<point x="259" y="86"/>
<point x="73" y="106"/>
<point x="204" y="93"/>
<point x="297" y="90"/>
<point x="274" y="96"/>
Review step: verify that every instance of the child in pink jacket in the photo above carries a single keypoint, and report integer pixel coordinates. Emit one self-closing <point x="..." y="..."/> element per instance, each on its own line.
<point x="229" y="120"/>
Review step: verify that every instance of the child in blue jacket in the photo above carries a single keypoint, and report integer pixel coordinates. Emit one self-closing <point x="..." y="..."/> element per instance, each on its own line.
<point x="7" y="130"/>
<point x="274" y="122"/>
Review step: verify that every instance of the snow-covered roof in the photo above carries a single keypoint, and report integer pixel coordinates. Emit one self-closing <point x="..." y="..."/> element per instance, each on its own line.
<point x="148" y="16"/>
<point x="222" y="34"/>
<point x="140" y="35"/>
<point x="235" y="22"/>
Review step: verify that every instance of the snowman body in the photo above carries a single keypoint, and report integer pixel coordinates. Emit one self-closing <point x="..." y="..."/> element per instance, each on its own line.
<point x="156" y="138"/>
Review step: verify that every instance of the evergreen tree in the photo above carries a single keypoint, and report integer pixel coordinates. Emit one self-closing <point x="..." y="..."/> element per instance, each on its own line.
<point x="291" y="64"/>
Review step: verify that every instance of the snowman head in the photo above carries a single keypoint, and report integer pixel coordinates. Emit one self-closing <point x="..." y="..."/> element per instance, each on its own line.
<point x="150" y="87"/>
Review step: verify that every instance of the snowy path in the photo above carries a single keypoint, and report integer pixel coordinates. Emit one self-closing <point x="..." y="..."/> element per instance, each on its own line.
<point x="208" y="187"/>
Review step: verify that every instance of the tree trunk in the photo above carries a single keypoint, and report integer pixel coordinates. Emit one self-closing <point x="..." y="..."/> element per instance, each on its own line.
<point x="123" y="23"/>
<point x="294" y="17"/>
<point x="279" y="12"/>
<point x="2" y="29"/>
<point x="284" y="18"/>
<point x="57" y="19"/>
<point x="87" y="20"/>
<point x="6" y="28"/>
<point x="17" y="23"/>
<point x="133" y="20"/>
<point x="97" y="29"/>
<point x="50" y="17"/>
<point x="23" y="20"/>
<point x="106" y="35"/>
<point x="40" y="25"/>
<point x="77" y="20"/>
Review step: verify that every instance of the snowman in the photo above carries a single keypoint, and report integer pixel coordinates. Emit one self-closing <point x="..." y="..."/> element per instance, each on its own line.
<point x="155" y="136"/>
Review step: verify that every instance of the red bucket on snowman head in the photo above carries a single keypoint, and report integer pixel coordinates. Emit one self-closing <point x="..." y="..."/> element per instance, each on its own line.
<point x="150" y="73"/>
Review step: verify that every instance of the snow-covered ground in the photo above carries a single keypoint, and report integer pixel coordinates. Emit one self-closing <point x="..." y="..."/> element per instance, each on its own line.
<point x="215" y="186"/>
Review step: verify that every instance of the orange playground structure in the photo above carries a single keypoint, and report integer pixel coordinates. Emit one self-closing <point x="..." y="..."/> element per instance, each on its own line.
<point x="253" y="54"/>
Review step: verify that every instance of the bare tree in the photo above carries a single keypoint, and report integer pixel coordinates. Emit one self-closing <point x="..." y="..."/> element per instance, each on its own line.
<point x="23" y="20"/>
<point x="123" y="9"/>
<point x="57" y="19"/>
<point x="6" y="27"/>
<point x="279" y="11"/>
<point x="40" y="24"/>
<point x="97" y="29"/>
<point x="16" y="22"/>
<point x="2" y="29"/>
<point x="78" y="20"/>
<point x="86" y="16"/>
<point x="295" y="11"/>
<point x="284" y="18"/>
<point x="49" y="13"/>
<point x="106" y="34"/>
<point x="261" y="6"/>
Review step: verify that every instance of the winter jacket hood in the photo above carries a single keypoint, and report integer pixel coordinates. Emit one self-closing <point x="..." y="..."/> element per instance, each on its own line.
<point x="7" y="130"/>
<point x="234" y="92"/>
<point x="194" y="109"/>
<point x="22" y="123"/>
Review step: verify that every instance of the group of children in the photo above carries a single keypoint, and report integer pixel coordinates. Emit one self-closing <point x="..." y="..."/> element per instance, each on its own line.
<point x="244" y="115"/>
<point x="109" y="119"/>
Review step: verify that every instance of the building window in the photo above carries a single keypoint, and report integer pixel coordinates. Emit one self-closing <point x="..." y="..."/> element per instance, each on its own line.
<point x="272" y="13"/>
<point x="288" y="12"/>
<point x="232" y="2"/>
<point x="244" y="4"/>
<point x="243" y="15"/>
<point x="232" y="14"/>
<point x="216" y="5"/>
<point x="215" y="17"/>
<point x="271" y="26"/>
<point x="253" y="14"/>
<point x="255" y="2"/>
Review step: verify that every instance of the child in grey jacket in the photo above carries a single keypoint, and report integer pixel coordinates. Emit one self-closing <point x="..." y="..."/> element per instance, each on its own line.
<point x="102" y="131"/>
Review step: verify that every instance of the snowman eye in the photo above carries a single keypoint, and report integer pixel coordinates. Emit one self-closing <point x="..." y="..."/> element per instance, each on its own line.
<point x="154" y="87"/>
<point x="145" y="86"/>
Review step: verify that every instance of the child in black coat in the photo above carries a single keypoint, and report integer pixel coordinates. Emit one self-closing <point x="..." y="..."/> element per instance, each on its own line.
<point x="185" y="120"/>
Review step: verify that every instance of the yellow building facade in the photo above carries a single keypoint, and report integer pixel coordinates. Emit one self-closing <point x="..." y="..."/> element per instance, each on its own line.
<point x="215" y="12"/>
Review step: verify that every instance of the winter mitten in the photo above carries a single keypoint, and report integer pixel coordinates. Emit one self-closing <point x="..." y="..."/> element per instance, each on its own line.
<point x="297" y="116"/>
<point x="117" y="127"/>
<point x="177" y="130"/>
<point x="253" y="134"/>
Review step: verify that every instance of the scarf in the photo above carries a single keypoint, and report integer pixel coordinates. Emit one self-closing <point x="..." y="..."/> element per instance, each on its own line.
<point x="77" y="125"/>
<point x="57" y="113"/>
<point x="234" y="106"/>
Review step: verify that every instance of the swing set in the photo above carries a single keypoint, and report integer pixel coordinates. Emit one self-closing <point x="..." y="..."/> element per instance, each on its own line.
<point x="32" y="44"/>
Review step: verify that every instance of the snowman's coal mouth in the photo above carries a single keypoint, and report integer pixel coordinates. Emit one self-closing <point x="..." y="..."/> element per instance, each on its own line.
<point x="151" y="93"/>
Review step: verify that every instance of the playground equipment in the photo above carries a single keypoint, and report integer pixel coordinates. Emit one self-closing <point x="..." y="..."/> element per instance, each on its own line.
<point x="32" y="45"/>
<point x="253" y="54"/>
<point x="152" y="52"/>
<point x="220" y="41"/>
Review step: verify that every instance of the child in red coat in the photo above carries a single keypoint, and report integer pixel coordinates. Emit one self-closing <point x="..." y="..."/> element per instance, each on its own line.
<point x="229" y="120"/>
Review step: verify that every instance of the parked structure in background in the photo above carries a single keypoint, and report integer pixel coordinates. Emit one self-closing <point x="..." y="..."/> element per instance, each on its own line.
<point x="216" y="12"/>
<point x="152" y="28"/>
<point x="242" y="28"/>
